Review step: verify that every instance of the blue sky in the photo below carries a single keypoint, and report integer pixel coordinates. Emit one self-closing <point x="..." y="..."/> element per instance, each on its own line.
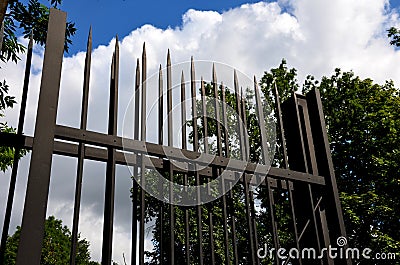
<point x="109" y="18"/>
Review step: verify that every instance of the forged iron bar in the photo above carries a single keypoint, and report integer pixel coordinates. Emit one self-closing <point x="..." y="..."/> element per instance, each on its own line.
<point x="206" y="150"/>
<point x="99" y="139"/>
<point x="160" y="142"/>
<point x="286" y="164"/>
<point x="230" y="195"/>
<point x="110" y="168"/>
<point x="171" y="169"/>
<point x="313" y="169"/>
<point x="265" y="157"/>
<point x="81" y="150"/>
<point x="248" y="195"/>
<point x="20" y="130"/>
<point x="135" y="187"/>
<point x="332" y="207"/>
<point x="219" y="171"/>
<point x="307" y="169"/>
<point x="185" y="176"/>
<point x="32" y="229"/>
<point x="251" y="193"/>
<point x="243" y="153"/>
<point x="143" y="166"/>
<point x="195" y="149"/>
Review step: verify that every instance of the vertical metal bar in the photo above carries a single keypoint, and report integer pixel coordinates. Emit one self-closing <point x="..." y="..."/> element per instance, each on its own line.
<point x="196" y="148"/>
<point x="265" y="156"/>
<point x="110" y="170"/>
<point x="1" y="35"/>
<point x="13" y="179"/>
<point x="185" y="176"/>
<point x="81" y="150"/>
<point x="143" y="167"/>
<point x="306" y="164"/>
<point x="309" y="146"/>
<point x="254" y="224"/>
<point x="289" y="184"/>
<point x="160" y="142"/>
<point x="32" y="230"/>
<point x="333" y="216"/>
<point x="135" y="187"/>
<point x="242" y="105"/>
<point x="220" y="153"/>
<point x="171" y="171"/>
<point x="160" y="106"/>
<point x="240" y="131"/>
<point x="217" y="115"/>
<point x="204" y="116"/>
<point x="304" y="202"/>
<point x="230" y="196"/>
<point x="251" y="195"/>
<point x="206" y="150"/>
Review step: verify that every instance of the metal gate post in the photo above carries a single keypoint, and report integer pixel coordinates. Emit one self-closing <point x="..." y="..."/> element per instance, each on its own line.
<point x="32" y="232"/>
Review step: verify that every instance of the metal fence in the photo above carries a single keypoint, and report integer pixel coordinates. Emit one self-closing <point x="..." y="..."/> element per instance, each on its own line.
<point x="304" y="183"/>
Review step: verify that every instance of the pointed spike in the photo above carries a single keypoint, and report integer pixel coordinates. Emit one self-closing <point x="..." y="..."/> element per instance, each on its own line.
<point x="144" y="57"/>
<point x="214" y="75"/>
<point x="160" y="79"/>
<point x="116" y="43"/>
<point x="257" y="93"/>
<point x="137" y="81"/>
<point x="168" y="58"/>
<point x="182" y="78"/>
<point x="235" y="81"/>
<point x="192" y="71"/>
<point x="89" y="41"/>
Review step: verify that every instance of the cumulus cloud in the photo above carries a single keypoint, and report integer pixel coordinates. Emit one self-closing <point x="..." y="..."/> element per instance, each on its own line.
<point x="315" y="37"/>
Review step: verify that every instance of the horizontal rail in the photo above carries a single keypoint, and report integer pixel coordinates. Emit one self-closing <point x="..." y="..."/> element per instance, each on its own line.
<point x="131" y="147"/>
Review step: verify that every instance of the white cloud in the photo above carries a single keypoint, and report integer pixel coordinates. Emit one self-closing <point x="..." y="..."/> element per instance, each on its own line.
<point x="315" y="37"/>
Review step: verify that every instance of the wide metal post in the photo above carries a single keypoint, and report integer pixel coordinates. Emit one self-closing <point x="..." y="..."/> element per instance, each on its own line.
<point x="34" y="216"/>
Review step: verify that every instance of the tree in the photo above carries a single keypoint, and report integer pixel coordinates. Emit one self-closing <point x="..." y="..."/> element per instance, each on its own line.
<point x="21" y="19"/>
<point x="56" y="245"/>
<point x="26" y="19"/>
<point x="363" y="124"/>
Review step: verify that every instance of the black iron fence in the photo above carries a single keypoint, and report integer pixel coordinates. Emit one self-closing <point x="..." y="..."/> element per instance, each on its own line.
<point x="293" y="205"/>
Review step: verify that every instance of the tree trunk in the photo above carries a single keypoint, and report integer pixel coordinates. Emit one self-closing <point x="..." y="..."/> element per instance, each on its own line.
<point x="3" y="9"/>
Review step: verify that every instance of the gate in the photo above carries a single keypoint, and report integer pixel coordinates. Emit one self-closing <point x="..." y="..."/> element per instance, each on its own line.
<point x="303" y="184"/>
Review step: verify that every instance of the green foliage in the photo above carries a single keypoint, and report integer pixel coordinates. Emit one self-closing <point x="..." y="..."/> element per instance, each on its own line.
<point x="24" y="19"/>
<point x="56" y="246"/>
<point x="394" y="35"/>
<point x="363" y="123"/>
<point x="6" y="153"/>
